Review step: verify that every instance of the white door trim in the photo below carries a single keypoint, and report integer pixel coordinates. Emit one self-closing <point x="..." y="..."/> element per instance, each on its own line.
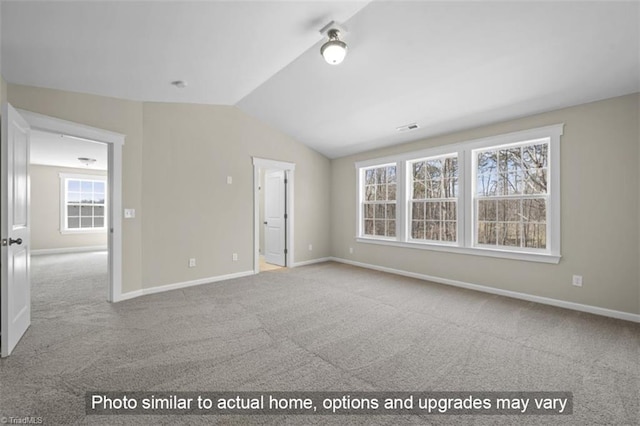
<point x="289" y="168"/>
<point x="114" y="142"/>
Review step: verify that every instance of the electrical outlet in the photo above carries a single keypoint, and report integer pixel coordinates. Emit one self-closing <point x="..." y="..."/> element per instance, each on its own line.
<point x="310" y="247"/>
<point x="192" y="263"/>
<point x="351" y="250"/>
<point x="235" y="257"/>
<point x="577" y="280"/>
<point x="229" y="180"/>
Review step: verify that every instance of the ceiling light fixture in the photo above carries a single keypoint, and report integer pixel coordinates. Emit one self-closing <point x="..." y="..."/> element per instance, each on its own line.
<point x="334" y="50"/>
<point x="87" y="161"/>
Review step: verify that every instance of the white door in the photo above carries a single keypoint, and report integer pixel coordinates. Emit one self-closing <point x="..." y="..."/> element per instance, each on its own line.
<point x="274" y="217"/>
<point x="14" y="171"/>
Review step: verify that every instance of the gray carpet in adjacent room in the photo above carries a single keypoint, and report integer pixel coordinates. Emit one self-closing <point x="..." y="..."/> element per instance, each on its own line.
<point x="325" y="327"/>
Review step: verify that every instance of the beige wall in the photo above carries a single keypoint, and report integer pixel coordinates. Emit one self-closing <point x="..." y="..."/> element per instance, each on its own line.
<point x="110" y="114"/>
<point x="45" y="210"/>
<point x="600" y="216"/>
<point x="191" y="211"/>
<point x="177" y="157"/>
<point x="184" y="208"/>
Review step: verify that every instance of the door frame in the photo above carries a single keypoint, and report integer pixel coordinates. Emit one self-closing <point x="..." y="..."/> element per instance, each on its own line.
<point x="289" y="172"/>
<point x="114" y="142"/>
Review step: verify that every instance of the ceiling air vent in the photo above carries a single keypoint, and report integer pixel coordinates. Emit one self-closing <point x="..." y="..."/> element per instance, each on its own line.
<point x="407" y="127"/>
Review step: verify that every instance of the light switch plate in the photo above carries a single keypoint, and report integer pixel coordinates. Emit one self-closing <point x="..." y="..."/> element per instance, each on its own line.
<point x="129" y="213"/>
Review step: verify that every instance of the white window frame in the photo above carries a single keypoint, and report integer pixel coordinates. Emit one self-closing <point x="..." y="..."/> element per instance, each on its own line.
<point x="360" y="226"/>
<point x="475" y="198"/>
<point x="466" y="187"/>
<point x="409" y="200"/>
<point x="64" y="177"/>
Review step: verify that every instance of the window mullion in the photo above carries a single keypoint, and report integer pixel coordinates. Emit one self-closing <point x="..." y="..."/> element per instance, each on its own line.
<point x="360" y="191"/>
<point x="467" y="196"/>
<point x="401" y="200"/>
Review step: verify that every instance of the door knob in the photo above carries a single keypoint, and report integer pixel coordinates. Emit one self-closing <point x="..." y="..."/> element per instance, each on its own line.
<point x="265" y="222"/>
<point x="17" y="241"/>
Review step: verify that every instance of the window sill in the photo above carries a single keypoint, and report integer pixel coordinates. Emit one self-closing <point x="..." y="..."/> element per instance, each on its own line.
<point x="83" y="231"/>
<point x="504" y="254"/>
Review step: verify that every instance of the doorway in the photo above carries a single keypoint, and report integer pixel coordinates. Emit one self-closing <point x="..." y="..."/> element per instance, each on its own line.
<point x="273" y="224"/>
<point x="68" y="202"/>
<point x="15" y="301"/>
<point x="112" y="142"/>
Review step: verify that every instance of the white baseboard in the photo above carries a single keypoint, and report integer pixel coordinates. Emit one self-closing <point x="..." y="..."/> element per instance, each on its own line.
<point x="311" y="262"/>
<point x="129" y="295"/>
<point x="175" y="286"/>
<point x="508" y="293"/>
<point x="68" y="250"/>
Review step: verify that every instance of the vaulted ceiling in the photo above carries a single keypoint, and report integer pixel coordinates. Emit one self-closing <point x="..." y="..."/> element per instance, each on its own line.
<point x="443" y="65"/>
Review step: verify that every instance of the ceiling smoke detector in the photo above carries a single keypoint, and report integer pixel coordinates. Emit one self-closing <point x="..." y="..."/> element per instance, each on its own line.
<point x="180" y="84"/>
<point x="407" y="127"/>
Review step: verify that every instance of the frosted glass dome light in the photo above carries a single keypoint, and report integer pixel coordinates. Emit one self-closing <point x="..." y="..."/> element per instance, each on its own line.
<point x="334" y="50"/>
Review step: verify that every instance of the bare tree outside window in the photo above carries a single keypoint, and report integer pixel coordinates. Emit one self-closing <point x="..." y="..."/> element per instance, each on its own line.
<point x="379" y="204"/>
<point x="512" y="196"/>
<point x="434" y="186"/>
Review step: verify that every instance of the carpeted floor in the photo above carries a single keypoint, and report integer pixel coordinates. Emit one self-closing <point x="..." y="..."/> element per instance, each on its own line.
<point x="325" y="327"/>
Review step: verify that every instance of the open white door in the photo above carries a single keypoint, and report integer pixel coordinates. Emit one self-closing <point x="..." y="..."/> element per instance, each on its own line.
<point x="16" y="286"/>
<point x="274" y="217"/>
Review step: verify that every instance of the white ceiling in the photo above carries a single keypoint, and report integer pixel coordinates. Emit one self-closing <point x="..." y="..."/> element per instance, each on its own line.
<point x="445" y="65"/>
<point x="135" y="49"/>
<point x="51" y="149"/>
